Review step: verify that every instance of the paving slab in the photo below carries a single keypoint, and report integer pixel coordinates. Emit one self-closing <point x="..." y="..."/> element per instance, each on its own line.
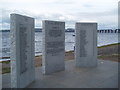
<point x="105" y="75"/>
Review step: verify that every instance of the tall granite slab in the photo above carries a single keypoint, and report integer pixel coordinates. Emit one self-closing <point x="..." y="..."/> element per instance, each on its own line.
<point x="86" y="44"/>
<point x="53" y="46"/>
<point x="22" y="51"/>
<point x="1" y="57"/>
<point x="118" y="19"/>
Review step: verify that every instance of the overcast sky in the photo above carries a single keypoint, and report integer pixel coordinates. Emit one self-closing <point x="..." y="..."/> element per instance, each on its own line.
<point x="102" y="11"/>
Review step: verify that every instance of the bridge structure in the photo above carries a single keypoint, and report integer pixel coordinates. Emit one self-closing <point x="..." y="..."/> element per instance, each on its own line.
<point x="109" y="31"/>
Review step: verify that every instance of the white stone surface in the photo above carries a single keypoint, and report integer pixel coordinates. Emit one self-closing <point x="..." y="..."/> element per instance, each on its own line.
<point x="119" y="16"/>
<point x="0" y="57"/>
<point x="22" y="51"/>
<point x="53" y="46"/>
<point x="0" y="76"/>
<point x="86" y="44"/>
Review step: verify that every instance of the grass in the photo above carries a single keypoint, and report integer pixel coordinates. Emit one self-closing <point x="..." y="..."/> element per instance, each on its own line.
<point x="113" y="57"/>
<point x="5" y="62"/>
<point x="109" y="45"/>
<point x="5" y="70"/>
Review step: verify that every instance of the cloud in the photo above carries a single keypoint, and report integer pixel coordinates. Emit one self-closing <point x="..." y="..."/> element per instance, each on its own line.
<point x="70" y="11"/>
<point x="106" y="19"/>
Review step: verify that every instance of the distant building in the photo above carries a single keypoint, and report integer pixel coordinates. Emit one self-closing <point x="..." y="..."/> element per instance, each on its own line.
<point x="109" y="31"/>
<point x="70" y="30"/>
<point x="38" y="29"/>
<point x="4" y="30"/>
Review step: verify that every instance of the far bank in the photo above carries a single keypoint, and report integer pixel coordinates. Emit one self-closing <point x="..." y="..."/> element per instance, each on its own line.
<point x="106" y="52"/>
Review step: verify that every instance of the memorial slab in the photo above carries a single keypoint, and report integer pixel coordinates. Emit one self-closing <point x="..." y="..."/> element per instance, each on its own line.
<point x="86" y="44"/>
<point x="1" y="62"/>
<point x="53" y="46"/>
<point x="22" y="51"/>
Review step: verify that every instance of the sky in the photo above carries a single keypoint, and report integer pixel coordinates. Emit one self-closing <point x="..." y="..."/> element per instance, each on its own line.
<point x="104" y="12"/>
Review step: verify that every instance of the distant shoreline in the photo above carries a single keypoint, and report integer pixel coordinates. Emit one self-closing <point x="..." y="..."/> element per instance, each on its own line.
<point x="99" y="50"/>
<point x="106" y="52"/>
<point x="73" y="30"/>
<point x="40" y="30"/>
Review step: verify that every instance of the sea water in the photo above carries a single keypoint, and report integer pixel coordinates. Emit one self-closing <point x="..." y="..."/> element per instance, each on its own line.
<point x="103" y="39"/>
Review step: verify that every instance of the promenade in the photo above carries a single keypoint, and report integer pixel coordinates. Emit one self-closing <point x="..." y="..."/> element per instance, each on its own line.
<point x="105" y="75"/>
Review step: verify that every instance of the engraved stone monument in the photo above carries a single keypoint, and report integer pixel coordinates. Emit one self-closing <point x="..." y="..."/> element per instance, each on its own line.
<point x="53" y="46"/>
<point x="0" y="62"/>
<point x="86" y="44"/>
<point x="22" y="51"/>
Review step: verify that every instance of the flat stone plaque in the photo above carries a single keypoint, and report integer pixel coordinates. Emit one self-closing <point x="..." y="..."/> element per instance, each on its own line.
<point x="53" y="46"/>
<point x="86" y="44"/>
<point x="22" y="51"/>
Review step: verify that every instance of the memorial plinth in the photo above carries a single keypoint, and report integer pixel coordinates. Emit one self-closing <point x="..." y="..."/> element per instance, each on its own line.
<point x="86" y="44"/>
<point x="22" y="51"/>
<point x="53" y="46"/>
